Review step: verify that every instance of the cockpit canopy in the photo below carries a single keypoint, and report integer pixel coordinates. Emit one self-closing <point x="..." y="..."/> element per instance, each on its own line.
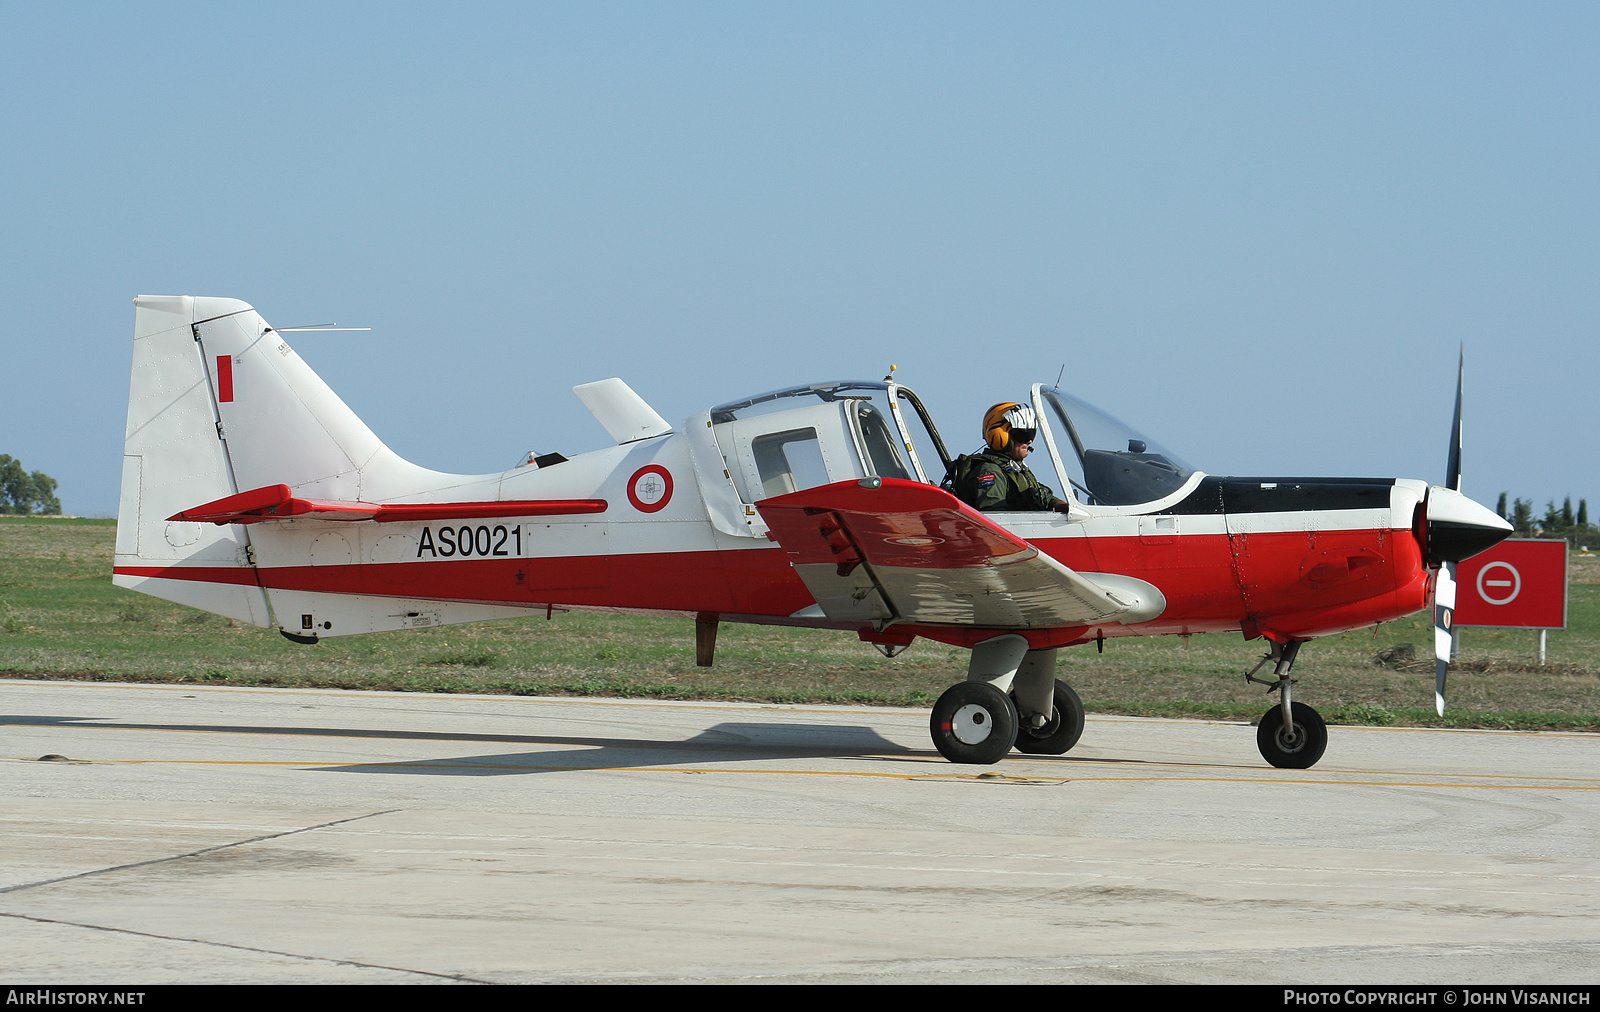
<point x="799" y="437"/>
<point x="795" y="438"/>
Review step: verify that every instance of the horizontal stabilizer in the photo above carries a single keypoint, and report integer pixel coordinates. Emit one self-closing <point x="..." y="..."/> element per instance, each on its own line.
<point x="275" y="502"/>
<point x="882" y="549"/>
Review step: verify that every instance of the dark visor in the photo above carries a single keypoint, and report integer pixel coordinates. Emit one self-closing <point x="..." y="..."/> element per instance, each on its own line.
<point x="1020" y="436"/>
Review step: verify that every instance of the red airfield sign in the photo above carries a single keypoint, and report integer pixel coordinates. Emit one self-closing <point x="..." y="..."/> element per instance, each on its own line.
<point x="1519" y="583"/>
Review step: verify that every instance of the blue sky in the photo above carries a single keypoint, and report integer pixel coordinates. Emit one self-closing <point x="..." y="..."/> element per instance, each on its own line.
<point x="1258" y="232"/>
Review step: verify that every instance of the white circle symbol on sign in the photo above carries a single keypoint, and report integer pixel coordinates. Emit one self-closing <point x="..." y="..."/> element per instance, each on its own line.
<point x="1493" y="589"/>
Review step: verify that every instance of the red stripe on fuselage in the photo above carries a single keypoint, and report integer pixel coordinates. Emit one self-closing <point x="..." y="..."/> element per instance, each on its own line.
<point x="199" y="574"/>
<point x="665" y="581"/>
<point x="1291" y="584"/>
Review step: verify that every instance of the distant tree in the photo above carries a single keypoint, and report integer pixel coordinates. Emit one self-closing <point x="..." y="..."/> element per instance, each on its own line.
<point x="1522" y="516"/>
<point x="1558" y="521"/>
<point x="21" y="492"/>
<point x="1552" y="518"/>
<point x="1500" y="508"/>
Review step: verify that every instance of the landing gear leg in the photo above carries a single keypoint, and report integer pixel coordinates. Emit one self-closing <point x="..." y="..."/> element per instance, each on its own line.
<point x="1290" y="735"/>
<point x="975" y="721"/>
<point x="1050" y="712"/>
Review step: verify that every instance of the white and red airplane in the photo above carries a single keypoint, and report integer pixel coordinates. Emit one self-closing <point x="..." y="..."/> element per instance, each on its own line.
<point x="250" y="490"/>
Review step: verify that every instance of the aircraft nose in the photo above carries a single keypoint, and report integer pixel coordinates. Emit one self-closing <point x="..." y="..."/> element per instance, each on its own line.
<point x="1459" y="528"/>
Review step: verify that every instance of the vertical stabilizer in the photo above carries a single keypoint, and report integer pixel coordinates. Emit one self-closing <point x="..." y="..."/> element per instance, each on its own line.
<point x="173" y="458"/>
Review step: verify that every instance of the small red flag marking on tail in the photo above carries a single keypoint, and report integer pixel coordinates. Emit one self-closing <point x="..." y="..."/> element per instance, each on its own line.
<point x="224" y="378"/>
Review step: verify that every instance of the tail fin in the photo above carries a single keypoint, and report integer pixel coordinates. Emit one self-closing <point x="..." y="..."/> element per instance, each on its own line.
<point x="219" y="404"/>
<point x="173" y="457"/>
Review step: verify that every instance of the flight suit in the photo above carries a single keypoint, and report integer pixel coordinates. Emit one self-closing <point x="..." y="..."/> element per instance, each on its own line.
<point x="996" y="482"/>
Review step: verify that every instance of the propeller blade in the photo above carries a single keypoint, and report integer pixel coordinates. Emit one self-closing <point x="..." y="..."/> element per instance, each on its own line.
<point x="1452" y="467"/>
<point x="1444" y="584"/>
<point x="1444" y="614"/>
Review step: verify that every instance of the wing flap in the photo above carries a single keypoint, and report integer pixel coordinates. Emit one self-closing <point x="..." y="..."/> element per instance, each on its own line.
<point x="922" y="555"/>
<point x="276" y="502"/>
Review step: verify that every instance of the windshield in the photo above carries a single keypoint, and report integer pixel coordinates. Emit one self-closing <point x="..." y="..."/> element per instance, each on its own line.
<point x="1107" y="462"/>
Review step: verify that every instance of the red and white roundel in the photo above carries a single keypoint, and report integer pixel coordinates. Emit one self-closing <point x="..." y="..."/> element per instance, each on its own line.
<point x="650" y="488"/>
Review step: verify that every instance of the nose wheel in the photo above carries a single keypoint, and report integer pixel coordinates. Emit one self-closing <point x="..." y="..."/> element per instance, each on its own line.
<point x="974" y="723"/>
<point x="1291" y="736"/>
<point x="1296" y="747"/>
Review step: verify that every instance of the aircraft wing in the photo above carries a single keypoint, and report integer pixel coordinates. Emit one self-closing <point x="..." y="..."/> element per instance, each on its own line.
<point x="896" y="549"/>
<point x="275" y="502"/>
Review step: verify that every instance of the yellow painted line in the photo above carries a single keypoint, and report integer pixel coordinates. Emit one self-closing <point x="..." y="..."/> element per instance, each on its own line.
<point x="945" y="777"/>
<point x="1067" y="763"/>
<point x="1473" y="776"/>
<point x="1079" y="761"/>
<point x="713" y="704"/>
<point x="1065" y="771"/>
<point x="1346" y="783"/>
<point x="479" y="738"/>
<point x="1398" y="729"/>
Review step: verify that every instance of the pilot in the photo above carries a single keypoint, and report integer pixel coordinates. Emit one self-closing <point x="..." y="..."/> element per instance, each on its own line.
<point x="996" y="477"/>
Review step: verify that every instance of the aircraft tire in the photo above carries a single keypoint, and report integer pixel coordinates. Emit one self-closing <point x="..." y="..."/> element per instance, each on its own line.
<point x="1063" y="730"/>
<point x="1311" y="738"/>
<point x="974" y="723"/>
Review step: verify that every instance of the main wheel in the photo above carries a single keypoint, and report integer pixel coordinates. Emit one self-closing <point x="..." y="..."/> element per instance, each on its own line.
<point x="1299" y="751"/>
<point x="973" y="722"/>
<point x="1061" y="732"/>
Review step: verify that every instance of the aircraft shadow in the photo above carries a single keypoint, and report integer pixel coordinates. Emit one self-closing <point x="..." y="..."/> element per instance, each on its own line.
<point x="728" y="742"/>
<point x="718" y="744"/>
